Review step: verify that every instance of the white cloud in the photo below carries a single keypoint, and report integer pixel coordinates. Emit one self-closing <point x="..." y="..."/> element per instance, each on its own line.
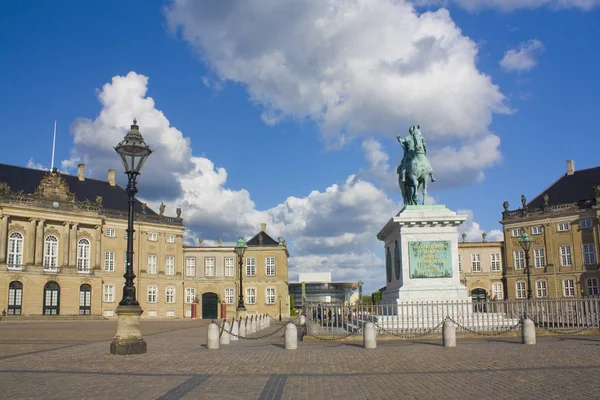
<point x="523" y="58"/>
<point x="32" y="164"/>
<point x="474" y="231"/>
<point x="511" y="5"/>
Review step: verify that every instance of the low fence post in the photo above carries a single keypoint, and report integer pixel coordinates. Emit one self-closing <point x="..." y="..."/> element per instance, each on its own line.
<point x="369" y="336"/>
<point x="302" y="320"/>
<point x="243" y="327"/>
<point x="212" y="336"/>
<point x="291" y="336"/>
<point x="449" y="334"/>
<point x="261" y="322"/>
<point x="253" y="324"/>
<point x="225" y="335"/>
<point x="235" y="330"/>
<point x="528" y="331"/>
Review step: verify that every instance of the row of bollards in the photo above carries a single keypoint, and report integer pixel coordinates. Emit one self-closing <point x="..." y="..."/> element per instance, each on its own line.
<point x="234" y="330"/>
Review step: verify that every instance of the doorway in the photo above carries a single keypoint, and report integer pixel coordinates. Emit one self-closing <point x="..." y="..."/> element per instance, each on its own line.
<point x="210" y="303"/>
<point x="51" y="298"/>
<point x="85" y="299"/>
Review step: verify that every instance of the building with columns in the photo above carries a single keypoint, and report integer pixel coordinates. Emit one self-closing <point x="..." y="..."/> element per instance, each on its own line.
<point x="562" y="220"/>
<point x="63" y="245"/>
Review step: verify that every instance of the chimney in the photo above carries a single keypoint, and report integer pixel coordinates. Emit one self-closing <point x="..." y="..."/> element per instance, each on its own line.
<point x="263" y="227"/>
<point x="220" y="242"/>
<point x="570" y="167"/>
<point x="111" y="177"/>
<point x="80" y="172"/>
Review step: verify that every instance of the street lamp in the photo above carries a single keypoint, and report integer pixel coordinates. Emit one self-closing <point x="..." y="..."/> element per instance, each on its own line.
<point x="526" y="242"/>
<point x="134" y="152"/>
<point x="279" y="307"/>
<point x="240" y="249"/>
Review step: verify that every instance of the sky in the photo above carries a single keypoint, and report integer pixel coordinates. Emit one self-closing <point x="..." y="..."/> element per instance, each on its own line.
<point x="286" y="112"/>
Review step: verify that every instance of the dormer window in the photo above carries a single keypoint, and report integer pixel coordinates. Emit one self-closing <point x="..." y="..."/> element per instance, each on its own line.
<point x="153" y="236"/>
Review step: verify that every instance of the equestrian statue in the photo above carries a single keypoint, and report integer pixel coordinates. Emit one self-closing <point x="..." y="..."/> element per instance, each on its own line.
<point x="415" y="169"/>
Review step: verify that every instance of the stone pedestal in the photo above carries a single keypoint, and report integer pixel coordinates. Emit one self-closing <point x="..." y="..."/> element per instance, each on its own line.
<point x="421" y="252"/>
<point x="128" y="340"/>
<point x="240" y="313"/>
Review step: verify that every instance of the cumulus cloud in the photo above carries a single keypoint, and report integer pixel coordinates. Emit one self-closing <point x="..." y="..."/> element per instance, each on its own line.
<point x="511" y="5"/>
<point x="32" y="164"/>
<point x="474" y="231"/>
<point x="524" y="58"/>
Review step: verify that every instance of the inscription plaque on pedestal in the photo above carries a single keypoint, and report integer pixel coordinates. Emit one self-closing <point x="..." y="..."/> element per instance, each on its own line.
<point x="431" y="259"/>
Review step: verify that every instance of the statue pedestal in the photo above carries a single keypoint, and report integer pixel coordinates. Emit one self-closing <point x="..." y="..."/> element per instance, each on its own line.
<point x="128" y="340"/>
<point x="421" y="250"/>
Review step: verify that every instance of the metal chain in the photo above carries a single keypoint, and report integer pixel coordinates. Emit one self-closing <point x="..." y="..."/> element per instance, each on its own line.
<point x="495" y="333"/>
<point x="258" y="337"/>
<point x="539" y="325"/>
<point x="328" y="338"/>
<point x="283" y="322"/>
<point x="415" y="336"/>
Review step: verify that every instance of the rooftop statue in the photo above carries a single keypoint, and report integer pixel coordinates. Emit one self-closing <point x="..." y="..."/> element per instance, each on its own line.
<point x="415" y="169"/>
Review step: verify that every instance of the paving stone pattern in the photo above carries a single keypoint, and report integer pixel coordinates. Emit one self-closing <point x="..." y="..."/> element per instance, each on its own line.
<point x="71" y="360"/>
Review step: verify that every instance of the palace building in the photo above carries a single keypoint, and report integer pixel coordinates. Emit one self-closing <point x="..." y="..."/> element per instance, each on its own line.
<point x="63" y="247"/>
<point x="481" y="266"/>
<point x="562" y="220"/>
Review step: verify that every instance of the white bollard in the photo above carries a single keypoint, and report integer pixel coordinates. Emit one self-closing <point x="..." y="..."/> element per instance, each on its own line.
<point x="212" y="336"/>
<point x="302" y="320"/>
<point x="268" y="320"/>
<point x="261" y="322"/>
<point x="225" y="335"/>
<point x="528" y="331"/>
<point x="242" y="327"/>
<point x="449" y="334"/>
<point x="291" y="336"/>
<point x="253" y="324"/>
<point x="235" y="330"/>
<point x="369" y="336"/>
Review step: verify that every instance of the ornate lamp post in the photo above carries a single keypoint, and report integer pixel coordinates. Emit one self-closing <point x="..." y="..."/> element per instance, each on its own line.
<point x="279" y="307"/>
<point x="240" y="249"/>
<point x="134" y="152"/>
<point x="526" y="242"/>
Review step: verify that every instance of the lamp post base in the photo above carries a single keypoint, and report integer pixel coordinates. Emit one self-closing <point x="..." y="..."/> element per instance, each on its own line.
<point x="128" y="340"/>
<point x="240" y="312"/>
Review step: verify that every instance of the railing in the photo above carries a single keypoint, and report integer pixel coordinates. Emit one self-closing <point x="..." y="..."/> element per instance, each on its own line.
<point x="477" y="316"/>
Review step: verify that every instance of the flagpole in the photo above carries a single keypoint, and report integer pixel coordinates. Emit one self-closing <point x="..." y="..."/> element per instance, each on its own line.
<point x="53" y="147"/>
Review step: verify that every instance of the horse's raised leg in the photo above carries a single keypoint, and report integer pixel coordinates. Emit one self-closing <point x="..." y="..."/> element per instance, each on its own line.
<point x="424" y="189"/>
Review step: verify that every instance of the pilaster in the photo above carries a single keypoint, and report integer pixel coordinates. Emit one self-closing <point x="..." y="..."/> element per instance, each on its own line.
<point x="66" y="243"/>
<point x="98" y="242"/>
<point x="31" y="239"/>
<point x="73" y="249"/>
<point x="3" y="236"/>
<point x="39" y="243"/>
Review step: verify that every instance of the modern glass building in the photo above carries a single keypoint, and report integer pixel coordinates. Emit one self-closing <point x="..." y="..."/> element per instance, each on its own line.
<point x="322" y="292"/>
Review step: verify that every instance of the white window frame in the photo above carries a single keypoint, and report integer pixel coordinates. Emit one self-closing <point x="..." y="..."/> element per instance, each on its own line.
<point x="250" y="295"/>
<point x="519" y="259"/>
<point x="563" y="226"/>
<point x="537" y="230"/>
<point x="108" y="293"/>
<point x="190" y="295"/>
<point x="83" y="255"/>
<point x="170" y="238"/>
<point x="51" y="252"/>
<point x="109" y="261"/>
<point x="589" y="254"/>
<point x="520" y="290"/>
<point x="170" y="294"/>
<point x="250" y="266"/>
<point x="152" y="294"/>
<point x="497" y="291"/>
<point x="569" y="287"/>
<point x="476" y="262"/>
<point x="152" y="264"/>
<point x="271" y="295"/>
<point x="586" y="223"/>
<point x="210" y="267"/>
<point x="539" y="257"/>
<point x="153" y="236"/>
<point x="495" y="262"/>
<point x="592" y="286"/>
<point x="270" y="266"/>
<point x="517" y="232"/>
<point x="541" y="288"/>
<point x="190" y="266"/>
<point x="229" y="266"/>
<point x="110" y="232"/>
<point x="14" y="257"/>
<point x="230" y="295"/>
<point x="566" y="255"/>
<point x="170" y="265"/>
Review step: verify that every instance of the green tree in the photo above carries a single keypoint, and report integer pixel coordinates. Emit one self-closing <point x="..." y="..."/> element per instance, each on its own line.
<point x="376" y="296"/>
<point x="292" y="306"/>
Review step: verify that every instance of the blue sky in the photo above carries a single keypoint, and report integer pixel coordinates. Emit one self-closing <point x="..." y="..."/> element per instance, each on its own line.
<point x="286" y="112"/>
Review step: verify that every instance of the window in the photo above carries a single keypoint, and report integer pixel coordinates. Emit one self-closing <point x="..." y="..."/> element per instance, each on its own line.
<point x="270" y="295"/>
<point x="537" y="230"/>
<point x="563" y="227"/>
<point x="517" y="232"/>
<point x="209" y="266"/>
<point x="459" y="263"/>
<point x="229" y="295"/>
<point x="110" y="232"/>
<point x="495" y="259"/>
<point x="566" y="258"/>
<point x="170" y="265"/>
<point x="589" y="254"/>
<point x="190" y="295"/>
<point x="250" y="266"/>
<point x="476" y="262"/>
<point x="15" y="250"/>
<point x="153" y="236"/>
<point x="170" y="294"/>
<point x="569" y="288"/>
<point x="592" y="286"/>
<point x="152" y="313"/>
<point x="251" y="296"/>
<point x="520" y="290"/>
<point x="270" y="266"/>
<point x="519" y="258"/>
<point x="170" y="238"/>
<point x="83" y="255"/>
<point x="109" y="261"/>
<point x="152" y="293"/>
<point x="109" y="293"/>
<point x="539" y="257"/>
<point x="190" y="266"/>
<point x="50" y="252"/>
<point x="15" y="297"/>
<point x="541" y="288"/>
<point x="229" y="266"/>
<point x="585" y="223"/>
<point x="152" y="263"/>
<point x="497" y="292"/>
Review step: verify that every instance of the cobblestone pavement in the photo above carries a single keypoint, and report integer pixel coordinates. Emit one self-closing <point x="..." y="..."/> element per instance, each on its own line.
<point x="71" y="360"/>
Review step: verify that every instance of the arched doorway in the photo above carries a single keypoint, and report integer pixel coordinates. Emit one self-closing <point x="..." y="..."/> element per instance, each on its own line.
<point x="479" y="297"/>
<point x="51" y="298"/>
<point x="85" y="299"/>
<point x="15" y="298"/>
<point x="210" y="302"/>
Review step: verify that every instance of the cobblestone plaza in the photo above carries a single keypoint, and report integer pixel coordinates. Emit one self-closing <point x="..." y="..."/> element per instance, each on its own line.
<point x="71" y="359"/>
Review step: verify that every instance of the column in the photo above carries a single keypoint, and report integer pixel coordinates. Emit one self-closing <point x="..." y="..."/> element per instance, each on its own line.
<point x="31" y="236"/>
<point x="3" y="236"/>
<point x="65" y="243"/>
<point x="98" y="242"/>
<point x="39" y="243"/>
<point x="73" y="249"/>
